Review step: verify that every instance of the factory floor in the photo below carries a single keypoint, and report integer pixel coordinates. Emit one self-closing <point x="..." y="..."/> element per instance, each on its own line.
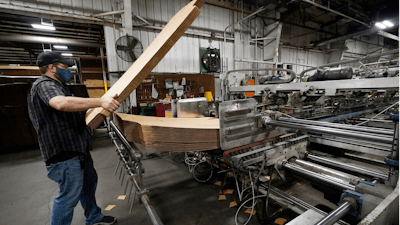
<point x="26" y="194"/>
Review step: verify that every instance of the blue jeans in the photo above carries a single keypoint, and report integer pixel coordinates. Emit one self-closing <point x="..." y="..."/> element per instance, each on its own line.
<point x="76" y="184"/>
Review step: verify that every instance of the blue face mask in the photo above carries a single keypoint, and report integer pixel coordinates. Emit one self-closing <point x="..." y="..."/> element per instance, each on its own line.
<point x="65" y="75"/>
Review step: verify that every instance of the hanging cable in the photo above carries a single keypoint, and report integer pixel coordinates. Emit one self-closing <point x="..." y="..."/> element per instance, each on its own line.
<point x="265" y="219"/>
<point x="252" y="207"/>
<point x="240" y="207"/>
<point x="378" y="114"/>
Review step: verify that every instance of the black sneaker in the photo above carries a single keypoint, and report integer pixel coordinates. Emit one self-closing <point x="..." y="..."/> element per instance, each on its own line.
<point x="106" y="220"/>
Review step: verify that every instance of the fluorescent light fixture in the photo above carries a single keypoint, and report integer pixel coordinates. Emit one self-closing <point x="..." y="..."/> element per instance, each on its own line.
<point x="380" y="25"/>
<point x="44" y="39"/>
<point x="43" y="27"/>
<point x="388" y="23"/>
<point x="66" y="54"/>
<point x="47" y="50"/>
<point x="60" y="46"/>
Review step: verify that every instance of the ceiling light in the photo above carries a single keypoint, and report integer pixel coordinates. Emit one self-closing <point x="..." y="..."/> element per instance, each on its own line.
<point x="46" y="24"/>
<point x="43" y="27"/>
<point x="66" y="54"/>
<point x="47" y="50"/>
<point x="380" y="25"/>
<point x="60" y="46"/>
<point x="43" y="39"/>
<point x="388" y="23"/>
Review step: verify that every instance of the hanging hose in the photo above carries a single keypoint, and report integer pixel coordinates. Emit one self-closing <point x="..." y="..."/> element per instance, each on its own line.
<point x="266" y="219"/>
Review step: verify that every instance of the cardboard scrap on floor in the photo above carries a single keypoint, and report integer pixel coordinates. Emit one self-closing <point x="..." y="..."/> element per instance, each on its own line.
<point x="121" y="197"/>
<point x="248" y="211"/>
<point x="222" y="197"/>
<point x="109" y="207"/>
<point x="228" y="192"/>
<point x="232" y="204"/>
<point x="280" y="221"/>
<point x="218" y="183"/>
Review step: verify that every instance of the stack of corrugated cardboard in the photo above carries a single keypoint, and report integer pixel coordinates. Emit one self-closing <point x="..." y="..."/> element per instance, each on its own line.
<point x="171" y="134"/>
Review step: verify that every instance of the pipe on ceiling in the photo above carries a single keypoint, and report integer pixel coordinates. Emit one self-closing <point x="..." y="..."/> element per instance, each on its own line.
<point x="48" y="40"/>
<point x="10" y="8"/>
<point x="336" y="12"/>
<point x="393" y="51"/>
<point x="343" y="38"/>
<point x="226" y="6"/>
<point x="353" y="35"/>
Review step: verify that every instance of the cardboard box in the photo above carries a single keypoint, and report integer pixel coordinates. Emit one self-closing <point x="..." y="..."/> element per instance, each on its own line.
<point x="96" y="83"/>
<point x="96" y="92"/>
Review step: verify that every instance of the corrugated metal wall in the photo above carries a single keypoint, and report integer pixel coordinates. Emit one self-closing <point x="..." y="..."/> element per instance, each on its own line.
<point x="308" y="57"/>
<point x="184" y="56"/>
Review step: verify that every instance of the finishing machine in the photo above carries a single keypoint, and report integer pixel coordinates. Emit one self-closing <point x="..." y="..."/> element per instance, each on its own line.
<point x="259" y="148"/>
<point x="314" y="130"/>
<point x="311" y="152"/>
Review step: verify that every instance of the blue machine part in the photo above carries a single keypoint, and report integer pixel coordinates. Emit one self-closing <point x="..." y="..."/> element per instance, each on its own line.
<point x="395" y="117"/>
<point x="368" y="183"/>
<point x="349" y="114"/>
<point x="392" y="162"/>
<point x="356" y="196"/>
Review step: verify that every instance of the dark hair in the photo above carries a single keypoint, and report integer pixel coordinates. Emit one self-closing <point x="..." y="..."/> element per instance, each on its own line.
<point x="43" y="69"/>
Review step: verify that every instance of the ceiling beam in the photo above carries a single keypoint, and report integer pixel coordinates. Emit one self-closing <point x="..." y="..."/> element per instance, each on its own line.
<point x="336" y="12"/>
<point x="298" y="25"/>
<point x="388" y="35"/>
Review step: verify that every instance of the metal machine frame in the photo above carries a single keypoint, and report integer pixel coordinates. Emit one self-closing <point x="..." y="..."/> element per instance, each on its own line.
<point x="131" y="156"/>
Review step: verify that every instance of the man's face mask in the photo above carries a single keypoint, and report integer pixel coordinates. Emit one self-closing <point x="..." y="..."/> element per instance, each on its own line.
<point x="65" y="75"/>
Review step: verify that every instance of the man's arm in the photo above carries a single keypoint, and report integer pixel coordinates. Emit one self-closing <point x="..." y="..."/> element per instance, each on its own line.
<point x="77" y="104"/>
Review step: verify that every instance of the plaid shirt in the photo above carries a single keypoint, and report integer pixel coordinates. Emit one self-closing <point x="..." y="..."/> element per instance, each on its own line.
<point x="57" y="131"/>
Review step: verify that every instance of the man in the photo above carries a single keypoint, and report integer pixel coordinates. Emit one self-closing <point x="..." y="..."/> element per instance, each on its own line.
<point x="64" y="140"/>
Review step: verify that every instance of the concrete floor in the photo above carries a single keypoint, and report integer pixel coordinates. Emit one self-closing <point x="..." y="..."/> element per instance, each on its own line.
<point x="27" y="194"/>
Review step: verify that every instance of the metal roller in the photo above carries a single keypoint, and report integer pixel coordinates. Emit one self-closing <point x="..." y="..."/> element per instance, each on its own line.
<point x="336" y="214"/>
<point x="339" y="126"/>
<point x="347" y="178"/>
<point x="348" y="167"/>
<point x="317" y="177"/>
<point x="331" y="131"/>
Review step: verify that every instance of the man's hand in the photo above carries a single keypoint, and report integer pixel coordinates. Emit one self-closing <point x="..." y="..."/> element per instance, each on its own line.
<point x="109" y="103"/>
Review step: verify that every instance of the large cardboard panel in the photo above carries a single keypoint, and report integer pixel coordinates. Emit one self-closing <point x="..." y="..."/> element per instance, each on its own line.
<point x="149" y="59"/>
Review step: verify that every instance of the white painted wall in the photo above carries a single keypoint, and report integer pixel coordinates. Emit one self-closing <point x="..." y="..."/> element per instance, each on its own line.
<point x="184" y="55"/>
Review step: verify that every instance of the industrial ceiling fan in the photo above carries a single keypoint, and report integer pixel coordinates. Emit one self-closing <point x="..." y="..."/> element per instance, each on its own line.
<point x="128" y="48"/>
<point x="211" y="60"/>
